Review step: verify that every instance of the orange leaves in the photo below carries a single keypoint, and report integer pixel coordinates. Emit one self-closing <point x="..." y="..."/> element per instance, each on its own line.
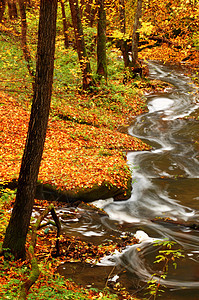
<point x="176" y="23"/>
<point x="13" y="127"/>
<point x="75" y="155"/>
<point x="167" y="53"/>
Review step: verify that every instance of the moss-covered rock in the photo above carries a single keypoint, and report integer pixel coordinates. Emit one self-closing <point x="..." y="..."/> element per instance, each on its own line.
<point x="103" y="191"/>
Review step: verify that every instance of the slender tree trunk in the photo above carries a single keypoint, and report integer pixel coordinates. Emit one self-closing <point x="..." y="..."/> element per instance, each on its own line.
<point x="17" y="229"/>
<point x="80" y="43"/>
<point x="81" y="7"/>
<point x="93" y="13"/>
<point x="135" y="37"/>
<point x="65" y="26"/>
<point x="2" y="9"/>
<point x="101" y="40"/>
<point x="24" y="46"/>
<point x="124" y="46"/>
<point x="88" y="10"/>
<point x="28" y="3"/>
<point x="12" y="9"/>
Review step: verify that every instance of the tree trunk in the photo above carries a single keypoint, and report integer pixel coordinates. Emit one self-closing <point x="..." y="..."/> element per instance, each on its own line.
<point x="101" y="41"/>
<point x="88" y="10"/>
<point x="17" y="229"/>
<point x="135" y="37"/>
<point x="25" y="49"/>
<point x="29" y="3"/>
<point x="12" y="9"/>
<point x="124" y="46"/>
<point x="65" y="26"/>
<point x="80" y="43"/>
<point x="2" y="9"/>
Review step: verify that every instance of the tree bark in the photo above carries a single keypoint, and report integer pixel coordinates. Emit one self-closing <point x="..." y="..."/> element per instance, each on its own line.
<point x="2" y="9"/>
<point x="24" y="46"/>
<point x="124" y="46"/>
<point x="135" y="37"/>
<point x="12" y="9"/>
<point x="80" y="43"/>
<point x="101" y="41"/>
<point x="17" y="229"/>
<point x="65" y="26"/>
<point x="89" y="9"/>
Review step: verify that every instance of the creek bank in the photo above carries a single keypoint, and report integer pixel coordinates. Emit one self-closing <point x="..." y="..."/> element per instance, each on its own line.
<point x="104" y="191"/>
<point x="80" y="162"/>
<point x="96" y="192"/>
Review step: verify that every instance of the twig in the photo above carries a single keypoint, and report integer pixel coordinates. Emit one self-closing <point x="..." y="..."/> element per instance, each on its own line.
<point x="109" y="276"/>
<point x="46" y="224"/>
<point x="34" y="265"/>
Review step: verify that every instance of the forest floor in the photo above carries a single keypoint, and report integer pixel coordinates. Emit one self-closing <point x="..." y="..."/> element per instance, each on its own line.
<point x="90" y="130"/>
<point x="76" y="155"/>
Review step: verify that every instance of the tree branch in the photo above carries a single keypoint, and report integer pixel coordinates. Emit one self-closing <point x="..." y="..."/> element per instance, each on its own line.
<point x="34" y="265"/>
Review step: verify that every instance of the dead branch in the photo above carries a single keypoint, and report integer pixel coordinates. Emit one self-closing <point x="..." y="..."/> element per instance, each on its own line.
<point x="34" y="265"/>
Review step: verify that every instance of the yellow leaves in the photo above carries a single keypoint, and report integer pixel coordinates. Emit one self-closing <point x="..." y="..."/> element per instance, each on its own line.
<point x="117" y="34"/>
<point x="146" y="29"/>
<point x="175" y="21"/>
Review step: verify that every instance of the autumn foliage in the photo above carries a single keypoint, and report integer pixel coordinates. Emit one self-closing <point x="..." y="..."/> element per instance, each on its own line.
<point x="87" y="140"/>
<point x="76" y="155"/>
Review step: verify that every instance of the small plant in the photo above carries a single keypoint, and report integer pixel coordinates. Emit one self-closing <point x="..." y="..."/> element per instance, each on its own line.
<point x="6" y="197"/>
<point x="166" y="256"/>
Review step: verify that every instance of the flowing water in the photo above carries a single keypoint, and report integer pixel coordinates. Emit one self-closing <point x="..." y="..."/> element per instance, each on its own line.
<point x="165" y="184"/>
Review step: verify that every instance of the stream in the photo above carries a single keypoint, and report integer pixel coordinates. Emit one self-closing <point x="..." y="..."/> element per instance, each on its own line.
<point x="165" y="184"/>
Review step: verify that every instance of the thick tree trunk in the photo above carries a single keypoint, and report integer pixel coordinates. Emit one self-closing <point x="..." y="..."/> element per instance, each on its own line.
<point x="65" y="26"/>
<point x="135" y="37"/>
<point x="12" y="9"/>
<point x="80" y="43"/>
<point x="2" y="9"/>
<point x="101" y="41"/>
<point x="24" y="46"/>
<point x="17" y="229"/>
<point x="124" y="46"/>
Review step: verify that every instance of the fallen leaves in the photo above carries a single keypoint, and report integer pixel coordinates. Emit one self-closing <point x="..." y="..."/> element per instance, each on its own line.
<point x="75" y="156"/>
